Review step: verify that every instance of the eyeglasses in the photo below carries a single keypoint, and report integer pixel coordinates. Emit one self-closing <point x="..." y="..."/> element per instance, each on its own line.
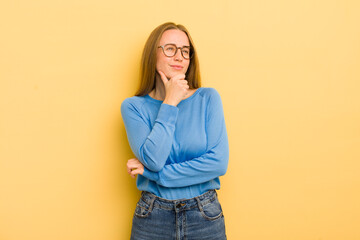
<point x="170" y="50"/>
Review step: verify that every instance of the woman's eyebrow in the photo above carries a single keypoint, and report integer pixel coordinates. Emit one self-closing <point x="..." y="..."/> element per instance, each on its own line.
<point x="177" y="45"/>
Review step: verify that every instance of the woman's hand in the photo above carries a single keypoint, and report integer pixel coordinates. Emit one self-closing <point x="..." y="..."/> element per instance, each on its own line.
<point x="134" y="167"/>
<point x="176" y="88"/>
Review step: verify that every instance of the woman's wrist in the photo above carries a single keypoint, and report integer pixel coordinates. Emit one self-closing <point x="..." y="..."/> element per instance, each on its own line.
<point x="170" y="102"/>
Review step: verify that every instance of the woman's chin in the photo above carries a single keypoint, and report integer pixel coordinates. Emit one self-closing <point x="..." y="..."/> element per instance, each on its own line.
<point x="172" y="74"/>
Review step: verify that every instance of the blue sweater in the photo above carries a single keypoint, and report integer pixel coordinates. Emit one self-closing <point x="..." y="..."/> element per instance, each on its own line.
<point x="184" y="149"/>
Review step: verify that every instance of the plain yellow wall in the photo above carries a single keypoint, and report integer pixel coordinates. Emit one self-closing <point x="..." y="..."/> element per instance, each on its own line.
<point x="288" y="73"/>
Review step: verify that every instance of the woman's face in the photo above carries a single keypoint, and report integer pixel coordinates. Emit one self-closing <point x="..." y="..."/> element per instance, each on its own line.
<point x="177" y="64"/>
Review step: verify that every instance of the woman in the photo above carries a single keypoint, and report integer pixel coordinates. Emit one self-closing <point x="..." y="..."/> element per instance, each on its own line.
<point x="176" y="130"/>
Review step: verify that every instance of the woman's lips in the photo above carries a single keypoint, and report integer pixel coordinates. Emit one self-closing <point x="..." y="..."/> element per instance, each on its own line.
<point x="178" y="67"/>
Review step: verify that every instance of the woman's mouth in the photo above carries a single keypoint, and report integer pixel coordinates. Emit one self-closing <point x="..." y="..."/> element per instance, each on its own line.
<point x="177" y="67"/>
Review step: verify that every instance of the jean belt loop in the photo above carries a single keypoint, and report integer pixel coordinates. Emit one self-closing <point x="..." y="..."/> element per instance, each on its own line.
<point x="199" y="203"/>
<point x="153" y="197"/>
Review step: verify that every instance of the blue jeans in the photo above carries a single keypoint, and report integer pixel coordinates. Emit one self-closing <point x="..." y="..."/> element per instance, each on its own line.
<point x="190" y="219"/>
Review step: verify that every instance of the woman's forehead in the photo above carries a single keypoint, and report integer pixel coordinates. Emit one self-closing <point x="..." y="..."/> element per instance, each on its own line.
<point x="175" y="36"/>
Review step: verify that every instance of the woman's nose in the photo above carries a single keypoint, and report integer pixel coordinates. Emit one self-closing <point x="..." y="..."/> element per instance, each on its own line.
<point x="178" y="56"/>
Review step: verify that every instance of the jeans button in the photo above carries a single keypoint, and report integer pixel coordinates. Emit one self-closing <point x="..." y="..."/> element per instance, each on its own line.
<point x="179" y="205"/>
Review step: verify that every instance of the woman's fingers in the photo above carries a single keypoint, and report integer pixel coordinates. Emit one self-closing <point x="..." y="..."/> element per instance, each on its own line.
<point x="134" y="166"/>
<point x="163" y="77"/>
<point x="179" y="77"/>
<point x="130" y="164"/>
<point x="184" y="83"/>
<point x="134" y="172"/>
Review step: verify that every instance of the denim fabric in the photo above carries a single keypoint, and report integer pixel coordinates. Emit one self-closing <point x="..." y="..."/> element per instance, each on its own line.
<point x="190" y="219"/>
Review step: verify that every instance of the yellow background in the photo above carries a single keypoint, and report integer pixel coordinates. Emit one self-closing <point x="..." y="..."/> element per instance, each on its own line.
<point x="288" y="73"/>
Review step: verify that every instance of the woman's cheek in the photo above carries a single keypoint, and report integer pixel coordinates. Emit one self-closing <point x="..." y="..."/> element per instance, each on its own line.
<point x="162" y="66"/>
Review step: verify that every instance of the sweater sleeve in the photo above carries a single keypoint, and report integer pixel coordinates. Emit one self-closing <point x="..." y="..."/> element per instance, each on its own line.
<point x="212" y="164"/>
<point x="151" y="146"/>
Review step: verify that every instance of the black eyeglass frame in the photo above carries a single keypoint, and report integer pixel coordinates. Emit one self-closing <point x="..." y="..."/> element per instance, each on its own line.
<point x="181" y="50"/>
